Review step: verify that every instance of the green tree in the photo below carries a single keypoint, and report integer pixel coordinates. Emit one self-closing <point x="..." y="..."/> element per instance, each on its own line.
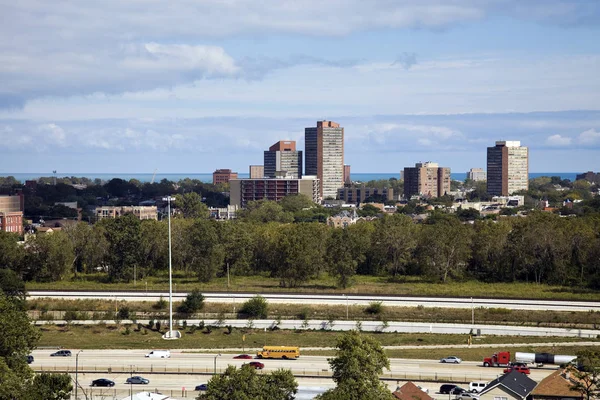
<point x="245" y="384"/>
<point x="358" y="362"/>
<point x="238" y="241"/>
<point x="47" y="386"/>
<point x="191" y="205"/>
<point x="347" y="249"/>
<point x="265" y="211"/>
<point x="369" y="210"/>
<point x="586" y="374"/>
<point x="394" y="241"/>
<point x="11" y="253"/>
<point x="204" y="252"/>
<point x="49" y="257"/>
<point x="298" y="252"/>
<point x="12" y="285"/>
<point x="90" y="246"/>
<point x="296" y="202"/>
<point x="124" y="243"/>
<point x="256" y="307"/>
<point x="489" y="260"/>
<point x="154" y="250"/>
<point x="193" y="303"/>
<point x="444" y="248"/>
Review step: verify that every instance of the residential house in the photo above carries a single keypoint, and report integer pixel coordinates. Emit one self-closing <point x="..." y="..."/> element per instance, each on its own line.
<point x="410" y="391"/>
<point x="556" y="386"/>
<point x="343" y="219"/>
<point x="511" y="386"/>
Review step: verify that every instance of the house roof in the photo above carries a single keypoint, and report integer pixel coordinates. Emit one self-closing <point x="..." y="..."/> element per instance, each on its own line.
<point x="520" y="385"/>
<point x="556" y="384"/>
<point x="410" y="391"/>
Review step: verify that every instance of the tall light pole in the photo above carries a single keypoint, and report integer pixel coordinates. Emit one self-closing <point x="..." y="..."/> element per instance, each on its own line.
<point x="170" y="334"/>
<point x="346" y="296"/>
<point x="77" y="372"/>
<point x="472" y="313"/>
<point x="215" y="370"/>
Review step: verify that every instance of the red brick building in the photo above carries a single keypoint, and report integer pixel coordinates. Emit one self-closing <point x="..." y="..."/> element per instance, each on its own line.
<point x="223" y="176"/>
<point x="11" y="213"/>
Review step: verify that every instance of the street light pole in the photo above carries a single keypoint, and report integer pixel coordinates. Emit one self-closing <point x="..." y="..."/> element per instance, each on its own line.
<point x="169" y="334"/>
<point x="77" y="372"/>
<point x="472" y="313"/>
<point x="215" y="370"/>
<point x="347" y="318"/>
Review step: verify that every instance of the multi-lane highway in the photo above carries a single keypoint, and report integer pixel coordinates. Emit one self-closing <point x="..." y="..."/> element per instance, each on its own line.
<point x="360" y="300"/>
<point x="184" y="370"/>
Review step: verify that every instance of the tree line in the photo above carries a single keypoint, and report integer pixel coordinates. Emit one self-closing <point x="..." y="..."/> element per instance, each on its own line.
<point x="265" y="240"/>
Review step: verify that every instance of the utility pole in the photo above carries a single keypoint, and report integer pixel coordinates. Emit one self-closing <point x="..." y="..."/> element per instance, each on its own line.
<point x="227" y="275"/>
<point x="131" y="382"/>
<point x="77" y="373"/>
<point x="170" y="333"/>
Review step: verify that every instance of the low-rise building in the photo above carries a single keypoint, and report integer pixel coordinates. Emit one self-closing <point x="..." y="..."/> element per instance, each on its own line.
<point x="359" y="193"/>
<point x="223" y="213"/>
<point x="556" y="386"/>
<point x="476" y="174"/>
<point x="142" y="212"/>
<point x="11" y="213"/>
<point x="343" y="219"/>
<point x="244" y="190"/>
<point x="511" y="386"/>
<point x="223" y="176"/>
<point x="410" y="391"/>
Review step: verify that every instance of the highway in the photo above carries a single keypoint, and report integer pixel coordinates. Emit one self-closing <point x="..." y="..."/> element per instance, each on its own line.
<point x="184" y="370"/>
<point x="359" y="300"/>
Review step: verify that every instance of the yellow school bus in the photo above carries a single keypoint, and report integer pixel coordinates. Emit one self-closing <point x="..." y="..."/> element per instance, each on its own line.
<point x="285" y="352"/>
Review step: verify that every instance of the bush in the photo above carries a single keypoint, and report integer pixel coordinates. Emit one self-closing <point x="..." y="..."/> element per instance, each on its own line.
<point x="151" y="324"/>
<point x="256" y="307"/>
<point x="208" y="329"/>
<point x="374" y="308"/>
<point x="201" y="325"/>
<point x="161" y="304"/>
<point x="194" y="302"/>
<point x="158" y="326"/>
<point x="127" y="331"/>
<point x="304" y="313"/>
<point x="70" y="316"/>
<point x="229" y="329"/>
<point x="123" y="313"/>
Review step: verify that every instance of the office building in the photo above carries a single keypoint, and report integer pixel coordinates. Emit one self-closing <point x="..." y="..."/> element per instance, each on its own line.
<point x="142" y="212"/>
<point x="241" y="191"/>
<point x="324" y="156"/>
<point x="282" y="159"/>
<point x="426" y="180"/>
<point x="11" y="213"/>
<point x="476" y="174"/>
<point x="359" y="193"/>
<point x="347" y="178"/>
<point x="223" y="176"/>
<point x="507" y="168"/>
<point x="257" y="171"/>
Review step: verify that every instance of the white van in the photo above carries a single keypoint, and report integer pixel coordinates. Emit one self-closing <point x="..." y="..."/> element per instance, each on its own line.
<point x="477" y="387"/>
<point x="159" y="354"/>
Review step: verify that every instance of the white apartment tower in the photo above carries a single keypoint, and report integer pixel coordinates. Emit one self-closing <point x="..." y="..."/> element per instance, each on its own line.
<point x="507" y="168"/>
<point x="324" y="156"/>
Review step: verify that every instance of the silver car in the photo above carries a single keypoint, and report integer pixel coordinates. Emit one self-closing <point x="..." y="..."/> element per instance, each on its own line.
<point x="451" y="359"/>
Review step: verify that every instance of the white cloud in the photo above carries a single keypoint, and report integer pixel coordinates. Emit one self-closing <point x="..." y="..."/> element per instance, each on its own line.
<point x="558" y="141"/>
<point x="589" y="137"/>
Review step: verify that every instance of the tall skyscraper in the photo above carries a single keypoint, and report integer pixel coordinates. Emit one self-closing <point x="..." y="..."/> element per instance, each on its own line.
<point x="282" y="159"/>
<point x="325" y="156"/>
<point x="507" y="168"/>
<point x="257" y="171"/>
<point x="426" y="179"/>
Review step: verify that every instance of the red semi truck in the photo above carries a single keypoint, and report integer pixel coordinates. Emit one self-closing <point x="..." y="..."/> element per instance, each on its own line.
<point x="502" y="359"/>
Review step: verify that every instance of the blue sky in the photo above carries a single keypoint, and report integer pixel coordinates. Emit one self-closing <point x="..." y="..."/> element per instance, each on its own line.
<point x="195" y="85"/>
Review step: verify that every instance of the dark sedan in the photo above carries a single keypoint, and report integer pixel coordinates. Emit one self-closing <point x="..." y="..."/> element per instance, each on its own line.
<point x="244" y="357"/>
<point x="255" y="365"/>
<point x="137" y="380"/>
<point x="103" y="382"/>
<point x="203" y="386"/>
<point x="61" y="353"/>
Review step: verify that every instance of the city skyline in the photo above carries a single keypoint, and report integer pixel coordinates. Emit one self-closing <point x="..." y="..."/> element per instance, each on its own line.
<point x="202" y="85"/>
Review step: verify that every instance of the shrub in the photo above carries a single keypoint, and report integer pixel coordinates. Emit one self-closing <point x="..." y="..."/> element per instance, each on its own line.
<point x="70" y="316"/>
<point x="194" y="302"/>
<point x="161" y="304"/>
<point x="123" y="313"/>
<point x="127" y="331"/>
<point x="96" y="316"/>
<point x="229" y="329"/>
<point x="374" y="308"/>
<point x="83" y="315"/>
<point x="139" y="327"/>
<point x="144" y="331"/>
<point x="208" y="329"/>
<point x="201" y="325"/>
<point x="151" y="324"/>
<point x="158" y="326"/>
<point x="256" y="307"/>
<point x="304" y="313"/>
<point x="184" y="325"/>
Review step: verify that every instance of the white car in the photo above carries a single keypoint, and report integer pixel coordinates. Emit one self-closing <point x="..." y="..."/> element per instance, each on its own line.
<point x="451" y="359"/>
<point x="159" y="354"/>
<point x="466" y="396"/>
<point x="423" y="389"/>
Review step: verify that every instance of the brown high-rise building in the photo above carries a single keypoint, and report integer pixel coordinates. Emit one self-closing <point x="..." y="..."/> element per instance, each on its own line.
<point x="507" y="168"/>
<point x="223" y="176"/>
<point x="282" y="160"/>
<point x="257" y="171"/>
<point x="347" y="174"/>
<point x="324" y="153"/>
<point x="427" y="180"/>
<point x="244" y="190"/>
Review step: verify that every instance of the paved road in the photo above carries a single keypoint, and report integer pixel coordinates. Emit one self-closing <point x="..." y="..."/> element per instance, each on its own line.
<point x="186" y="370"/>
<point x="359" y="300"/>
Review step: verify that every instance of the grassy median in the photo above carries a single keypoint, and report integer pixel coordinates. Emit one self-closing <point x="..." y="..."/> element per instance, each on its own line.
<point x="103" y="336"/>
<point x="408" y="286"/>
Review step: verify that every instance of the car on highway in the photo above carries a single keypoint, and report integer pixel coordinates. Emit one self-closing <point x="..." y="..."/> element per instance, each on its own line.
<point x="466" y="396"/>
<point x="523" y="370"/>
<point x="244" y="357"/>
<point x="255" y="365"/>
<point x="137" y="380"/>
<point x="201" y="387"/>
<point x="476" y="387"/>
<point x="447" y="388"/>
<point x="61" y="353"/>
<point x="458" y="391"/>
<point x="451" y="359"/>
<point x="423" y="389"/>
<point x="159" y="354"/>
<point x="29" y="359"/>
<point x="103" y="382"/>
